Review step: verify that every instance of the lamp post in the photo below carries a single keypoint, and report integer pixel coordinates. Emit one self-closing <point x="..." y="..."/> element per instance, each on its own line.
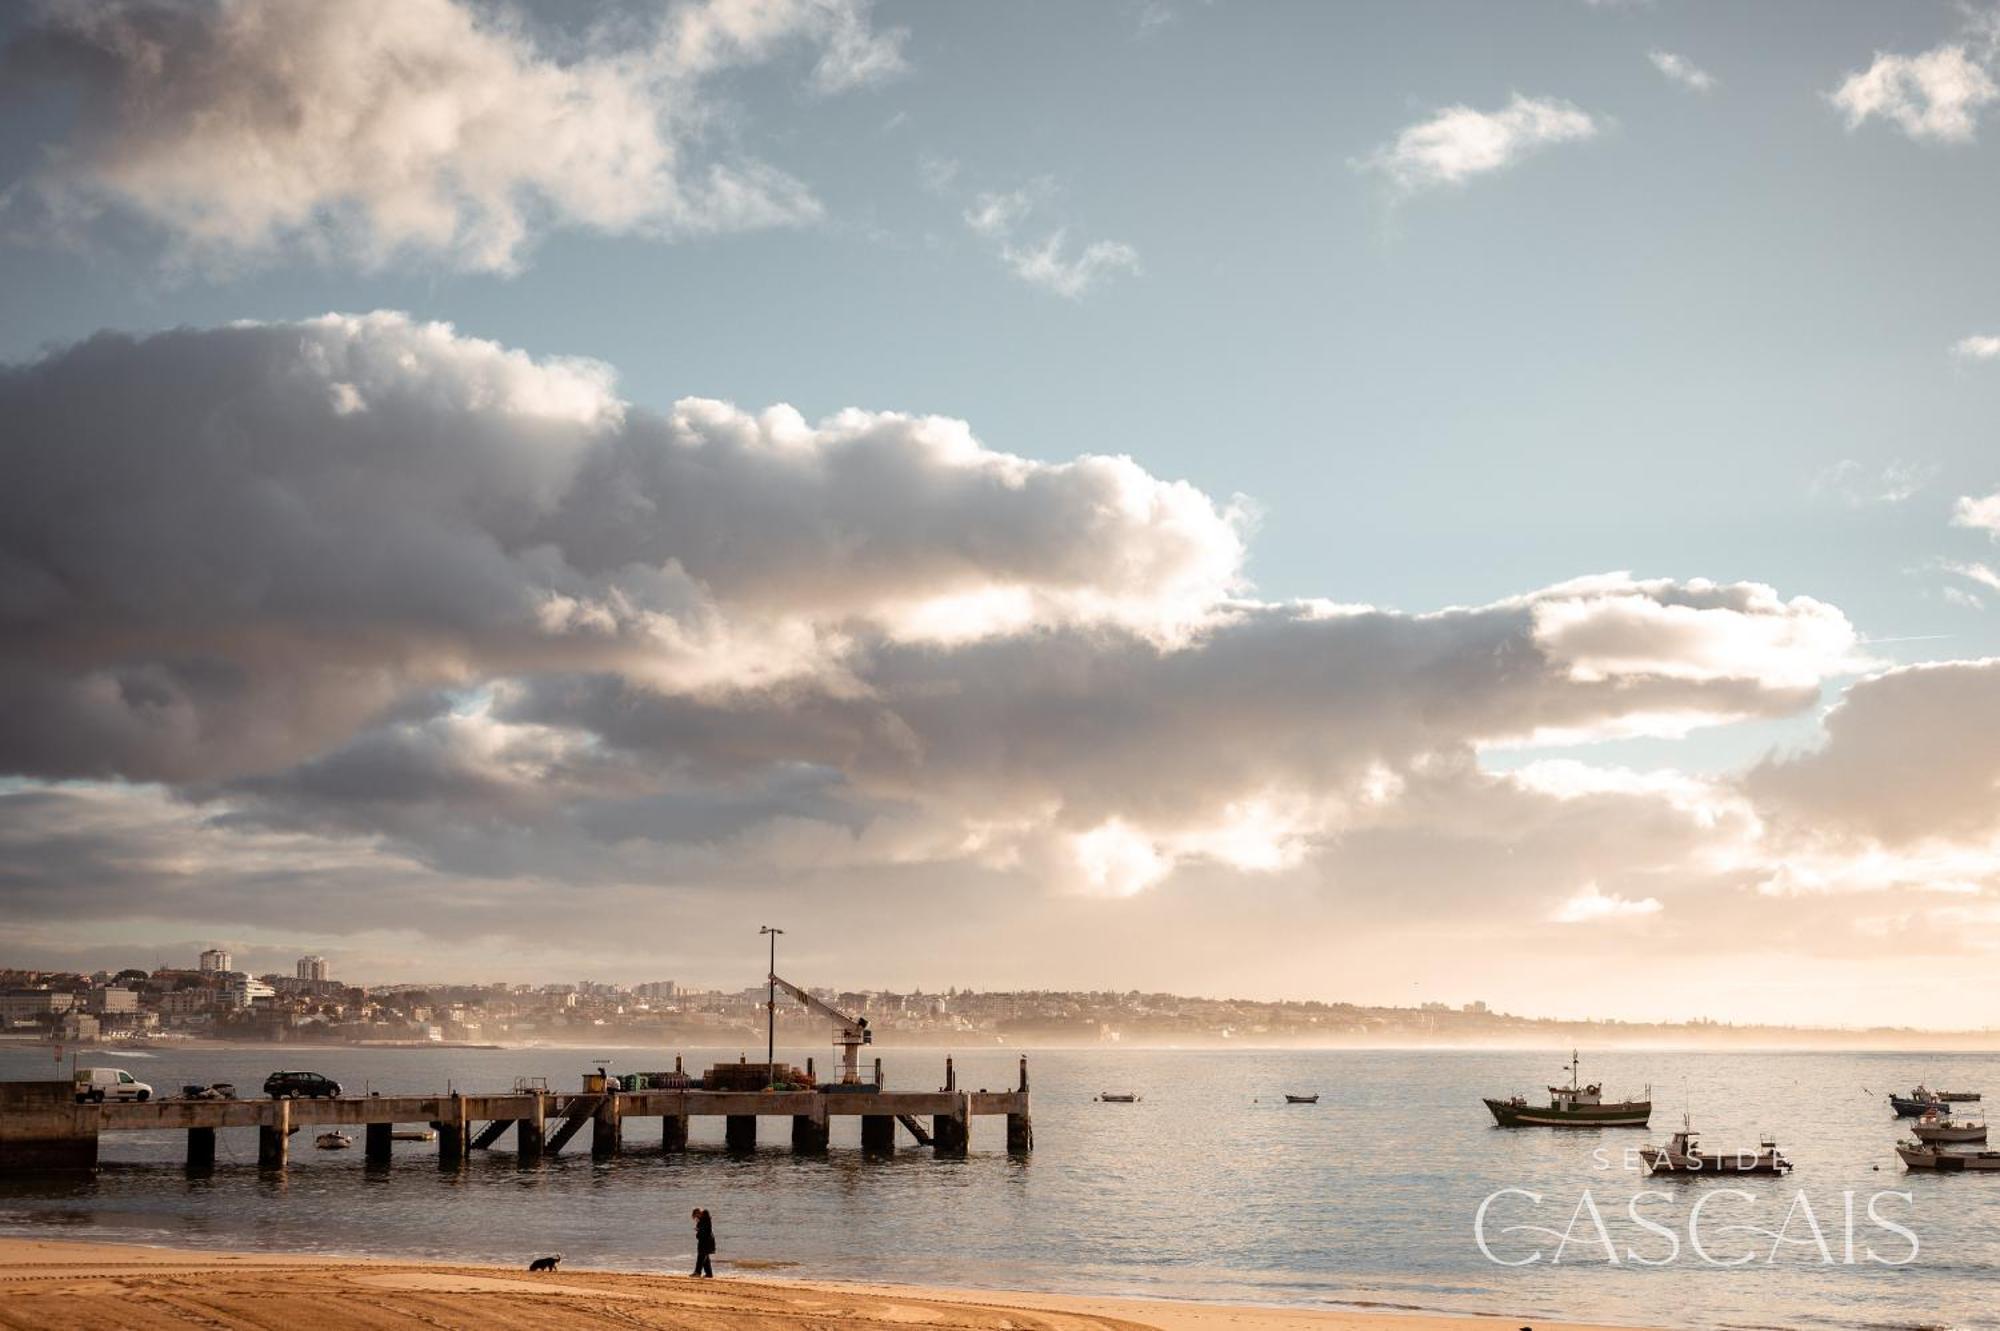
<point x="771" y="1010"/>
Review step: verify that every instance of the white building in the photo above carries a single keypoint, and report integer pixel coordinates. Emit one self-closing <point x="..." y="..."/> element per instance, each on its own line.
<point x="314" y="968"/>
<point x="240" y="990"/>
<point x="215" y="960"/>
<point x="113" y="1001"/>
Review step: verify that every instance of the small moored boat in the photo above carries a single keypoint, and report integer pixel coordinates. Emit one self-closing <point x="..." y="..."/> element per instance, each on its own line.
<point x="1958" y="1097"/>
<point x="1935" y="1127"/>
<point x="1914" y="1105"/>
<point x="333" y="1141"/>
<point x="1683" y="1155"/>
<point x="1920" y="1155"/>
<point x="1302" y="1099"/>
<point x="1118" y="1097"/>
<point x="413" y="1135"/>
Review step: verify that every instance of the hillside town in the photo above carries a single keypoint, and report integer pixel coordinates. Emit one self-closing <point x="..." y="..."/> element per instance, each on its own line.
<point x="214" y="1001"/>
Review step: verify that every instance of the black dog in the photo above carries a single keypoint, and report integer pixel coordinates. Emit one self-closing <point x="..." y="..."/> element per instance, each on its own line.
<point x="545" y="1263"/>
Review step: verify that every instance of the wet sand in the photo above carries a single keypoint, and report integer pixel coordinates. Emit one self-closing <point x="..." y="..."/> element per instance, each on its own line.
<point x="50" y="1284"/>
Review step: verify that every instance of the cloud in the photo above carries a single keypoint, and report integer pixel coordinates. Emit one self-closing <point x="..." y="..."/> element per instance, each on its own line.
<point x="1857" y="485"/>
<point x="1908" y="759"/>
<point x="1936" y="96"/>
<point x="1051" y="266"/>
<point x="1682" y="71"/>
<point x="1981" y="512"/>
<point x="428" y="629"/>
<point x="1979" y="346"/>
<point x="1049" y="263"/>
<point x="1982" y="574"/>
<point x="1590" y="905"/>
<point x="1460" y="143"/>
<point x="384" y="129"/>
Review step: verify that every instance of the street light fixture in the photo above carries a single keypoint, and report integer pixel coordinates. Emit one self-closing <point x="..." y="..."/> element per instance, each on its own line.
<point x="771" y="1009"/>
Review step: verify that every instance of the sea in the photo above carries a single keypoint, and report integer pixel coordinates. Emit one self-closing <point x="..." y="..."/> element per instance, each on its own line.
<point x="1394" y="1192"/>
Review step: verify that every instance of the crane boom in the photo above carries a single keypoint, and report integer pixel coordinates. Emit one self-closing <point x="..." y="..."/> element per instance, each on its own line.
<point x="850" y="1033"/>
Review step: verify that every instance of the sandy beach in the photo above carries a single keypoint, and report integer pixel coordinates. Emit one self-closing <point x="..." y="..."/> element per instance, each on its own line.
<point x="49" y="1284"/>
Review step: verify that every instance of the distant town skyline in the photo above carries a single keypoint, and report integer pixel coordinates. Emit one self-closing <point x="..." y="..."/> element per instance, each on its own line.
<point x="1394" y="503"/>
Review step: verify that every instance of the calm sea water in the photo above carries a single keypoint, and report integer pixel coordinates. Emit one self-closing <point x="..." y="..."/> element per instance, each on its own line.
<point x="1208" y="1188"/>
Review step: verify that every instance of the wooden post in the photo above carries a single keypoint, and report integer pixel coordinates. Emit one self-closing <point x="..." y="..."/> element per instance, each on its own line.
<point x="607" y="1128"/>
<point x="377" y="1142"/>
<point x="274" y="1139"/>
<point x="201" y="1150"/>
<point x="878" y="1074"/>
<point x="1021" y="1125"/>
<point x="878" y="1134"/>
<point x="739" y="1132"/>
<point x="531" y="1133"/>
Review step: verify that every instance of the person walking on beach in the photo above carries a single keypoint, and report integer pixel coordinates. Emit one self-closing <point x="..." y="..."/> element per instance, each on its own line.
<point x="704" y="1243"/>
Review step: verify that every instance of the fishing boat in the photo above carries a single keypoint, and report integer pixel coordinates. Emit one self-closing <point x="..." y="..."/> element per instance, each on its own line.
<point x="1118" y="1097"/>
<point x="1920" y="1155"/>
<point x="1302" y="1099"/>
<point x="1683" y="1155"/>
<point x="1915" y="1105"/>
<point x="1958" y="1097"/>
<point x="333" y="1141"/>
<point x="1935" y="1127"/>
<point x="1573" y="1106"/>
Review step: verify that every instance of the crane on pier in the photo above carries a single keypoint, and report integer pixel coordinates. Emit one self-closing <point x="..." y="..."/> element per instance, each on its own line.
<point x="849" y="1033"/>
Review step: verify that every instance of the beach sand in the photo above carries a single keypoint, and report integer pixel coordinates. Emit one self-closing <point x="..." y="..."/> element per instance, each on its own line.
<point x="49" y="1284"/>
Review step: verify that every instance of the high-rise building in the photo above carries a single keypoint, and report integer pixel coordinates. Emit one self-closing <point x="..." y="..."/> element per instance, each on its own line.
<point x="314" y="968"/>
<point x="215" y="959"/>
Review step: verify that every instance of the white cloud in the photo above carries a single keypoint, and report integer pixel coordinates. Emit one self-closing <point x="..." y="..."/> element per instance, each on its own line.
<point x="1459" y="142"/>
<point x="1937" y="95"/>
<point x="1052" y="267"/>
<point x="1682" y="71"/>
<point x="1979" y="346"/>
<point x="1857" y="485"/>
<point x="1050" y="263"/>
<point x="1982" y="574"/>
<point x="1590" y="905"/>
<point x="377" y="129"/>
<point x="1981" y="512"/>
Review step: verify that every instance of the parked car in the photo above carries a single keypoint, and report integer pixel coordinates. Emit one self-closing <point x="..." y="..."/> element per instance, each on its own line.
<point x="300" y="1085"/>
<point x="96" y="1085"/>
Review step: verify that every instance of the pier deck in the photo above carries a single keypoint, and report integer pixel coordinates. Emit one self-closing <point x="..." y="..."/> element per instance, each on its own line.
<point x="41" y="1127"/>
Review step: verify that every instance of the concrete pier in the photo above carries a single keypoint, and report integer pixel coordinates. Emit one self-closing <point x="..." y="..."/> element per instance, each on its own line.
<point x="42" y="1128"/>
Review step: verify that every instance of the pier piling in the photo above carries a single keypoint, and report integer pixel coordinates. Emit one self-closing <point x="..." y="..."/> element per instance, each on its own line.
<point x="739" y="1132"/>
<point x="607" y="1127"/>
<point x="1020" y="1125"/>
<point x="531" y="1132"/>
<point x="951" y="1133"/>
<point x="452" y="1139"/>
<point x="809" y="1134"/>
<point x="201" y="1150"/>
<point x="274" y="1139"/>
<point x="377" y="1143"/>
<point x="878" y="1134"/>
<point x="674" y="1133"/>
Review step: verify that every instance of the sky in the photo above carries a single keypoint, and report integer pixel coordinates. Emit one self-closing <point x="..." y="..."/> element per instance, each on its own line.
<point x="1388" y="503"/>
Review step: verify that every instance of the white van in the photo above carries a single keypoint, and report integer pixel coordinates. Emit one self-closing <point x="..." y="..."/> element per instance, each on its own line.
<point x="109" y="1084"/>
